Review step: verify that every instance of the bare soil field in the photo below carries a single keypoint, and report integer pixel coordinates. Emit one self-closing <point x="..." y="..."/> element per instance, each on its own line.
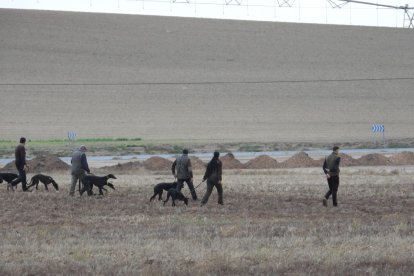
<point x="272" y="222"/>
<point x="157" y="78"/>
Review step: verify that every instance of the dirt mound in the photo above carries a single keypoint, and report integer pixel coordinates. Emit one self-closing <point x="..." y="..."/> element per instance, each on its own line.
<point x="373" y="159"/>
<point x="45" y="163"/>
<point x="347" y="160"/>
<point x="230" y="162"/>
<point x="119" y="168"/>
<point x="156" y="163"/>
<point x="300" y="160"/>
<point x="403" y="158"/>
<point x="262" y="162"/>
<point x="197" y="163"/>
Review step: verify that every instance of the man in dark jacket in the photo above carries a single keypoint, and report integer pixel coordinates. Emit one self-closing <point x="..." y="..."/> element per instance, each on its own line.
<point x="183" y="172"/>
<point x="79" y="167"/>
<point x="20" y="162"/>
<point x="331" y="170"/>
<point x="213" y="177"/>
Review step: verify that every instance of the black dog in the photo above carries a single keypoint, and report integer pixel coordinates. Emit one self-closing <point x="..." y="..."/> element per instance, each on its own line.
<point x="8" y="177"/>
<point x="45" y="179"/>
<point x="98" y="181"/>
<point x="160" y="187"/>
<point x="175" y="195"/>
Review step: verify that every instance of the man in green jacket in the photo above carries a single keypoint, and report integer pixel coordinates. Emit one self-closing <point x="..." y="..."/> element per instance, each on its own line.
<point x="331" y="170"/>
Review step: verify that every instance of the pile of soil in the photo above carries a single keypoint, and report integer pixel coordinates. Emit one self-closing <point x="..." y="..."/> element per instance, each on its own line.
<point x="156" y="163"/>
<point x="403" y="158"/>
<point x="300" y="160"/>
<point x="40" y="164"/>
<point x="230" y="162"/>
<point x="373" y="159"/>
<point x="120" y="168"/>
<point x="197" y="164"/>
<point x="262" y="162"/>
<point x="347" y="160"/>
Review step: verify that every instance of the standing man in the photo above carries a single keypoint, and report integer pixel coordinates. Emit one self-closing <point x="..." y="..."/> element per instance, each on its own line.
<point x="213" y="176"/>
<point x="331" y="170"/>
<point x="183" y="172"/>
<point x="20" y="162"/>
<point x="79" y="167"/>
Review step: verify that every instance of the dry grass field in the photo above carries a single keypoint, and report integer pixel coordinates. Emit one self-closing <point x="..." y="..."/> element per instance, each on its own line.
<point x="272" y="222"/>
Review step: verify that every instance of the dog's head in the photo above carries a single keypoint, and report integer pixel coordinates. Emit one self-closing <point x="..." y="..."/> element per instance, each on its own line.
<point x="185" y="201"/>
<point x="111" y="176"/>
<point x="55" y="185"/>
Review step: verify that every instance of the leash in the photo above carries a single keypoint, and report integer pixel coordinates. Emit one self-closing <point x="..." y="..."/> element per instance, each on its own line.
<point x="195" y="188"/>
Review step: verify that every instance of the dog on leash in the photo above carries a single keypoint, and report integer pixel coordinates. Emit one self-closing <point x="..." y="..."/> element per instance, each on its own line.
<point x="160" y="187"/>
<point x="8" y="177"/>
<point x="175" y="195"/>
<point x="45" y="179"/>
<point x="99" y="181"/>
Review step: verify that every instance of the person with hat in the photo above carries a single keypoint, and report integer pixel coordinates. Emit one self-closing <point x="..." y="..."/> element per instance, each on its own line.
<point x="183" y="172"/>
<point x="213" y="176"/>
<point x="21" y="166"/>
<point x="79" y="168"/>
<point x="331" y="169"/>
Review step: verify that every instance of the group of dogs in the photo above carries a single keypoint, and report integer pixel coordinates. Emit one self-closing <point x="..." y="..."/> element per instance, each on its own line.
<point x="100" y="182"/>
<point x="90" y="180"/>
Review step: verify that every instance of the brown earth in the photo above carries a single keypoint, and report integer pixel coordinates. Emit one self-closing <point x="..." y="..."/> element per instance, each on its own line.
<point x="373" y="159"/>
<point x="230" y="162"/>
<point x="50" y="163"/>
<point x="45" y="163"/>
<point x="403" y="158"/>
<point x="140" y="71"/>
<point x="121" y="168"/>
<point x="156" y="163"/>
<point x="299" y="160"/>
<point x="262" y="162"/>
<point x="197" y="163"/>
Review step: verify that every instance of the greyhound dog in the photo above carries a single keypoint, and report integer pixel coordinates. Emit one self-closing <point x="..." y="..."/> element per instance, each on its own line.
<point x="8" y="177"/>
<point x="45" y="179"/>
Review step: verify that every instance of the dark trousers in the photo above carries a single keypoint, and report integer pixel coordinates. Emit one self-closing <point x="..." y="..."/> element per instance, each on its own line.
<point x="210" y="186"/>
<point x="20" y="178"/>
<point x="333" y="183"/>
<point x="180" y="185"/>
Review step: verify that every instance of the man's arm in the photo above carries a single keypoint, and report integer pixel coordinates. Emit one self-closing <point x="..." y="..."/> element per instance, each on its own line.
<point x="190" y="168"/>
<point x="173" y="166"/>
<point x="325" y="167"/>
<point x="84" y="163"/>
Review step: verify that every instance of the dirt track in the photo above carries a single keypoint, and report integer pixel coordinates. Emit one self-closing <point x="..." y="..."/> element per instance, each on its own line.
<point x="211" y="60"/>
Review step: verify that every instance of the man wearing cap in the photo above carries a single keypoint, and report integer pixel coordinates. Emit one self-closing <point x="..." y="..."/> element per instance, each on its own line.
<point x="21" y="166"/>
<point x="183" y="172"/>
<point x="79" y="167"/>
<point x="331" y="170"/>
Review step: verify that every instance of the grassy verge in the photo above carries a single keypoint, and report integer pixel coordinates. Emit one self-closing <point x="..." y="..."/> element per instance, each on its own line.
<point x="130" y="146"/>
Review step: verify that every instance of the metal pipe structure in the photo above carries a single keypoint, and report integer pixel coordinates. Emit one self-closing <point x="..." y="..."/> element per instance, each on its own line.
<point x="408" y="14"/>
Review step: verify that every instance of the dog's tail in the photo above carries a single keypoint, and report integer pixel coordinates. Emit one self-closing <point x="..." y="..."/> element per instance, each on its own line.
<point x="110" y="185"/>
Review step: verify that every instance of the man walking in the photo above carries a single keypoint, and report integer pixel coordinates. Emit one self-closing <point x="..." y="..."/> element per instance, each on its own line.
<point x="79" y="167"/>
<point x="183" y="172"/>
<point x="20" y="162"/>
<point x="213" y="177"/>
<point x="331" y="170"/>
